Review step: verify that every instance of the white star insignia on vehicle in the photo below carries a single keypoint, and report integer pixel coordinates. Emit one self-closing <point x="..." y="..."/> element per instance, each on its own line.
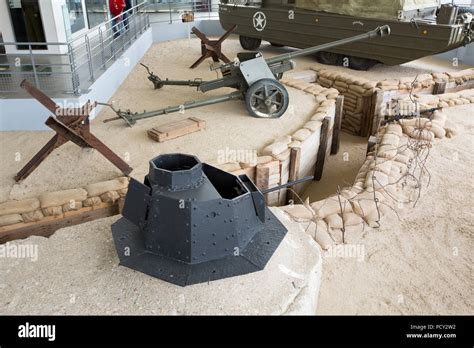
<point x="259" y="21"/>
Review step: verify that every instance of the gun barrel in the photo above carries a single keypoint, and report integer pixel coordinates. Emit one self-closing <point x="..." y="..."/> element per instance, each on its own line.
<point x="288" y="184"/>
<point x="378" y="32"/>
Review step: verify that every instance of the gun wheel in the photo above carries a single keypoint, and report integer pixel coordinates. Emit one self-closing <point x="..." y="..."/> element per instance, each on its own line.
<point x="267" y="98"/>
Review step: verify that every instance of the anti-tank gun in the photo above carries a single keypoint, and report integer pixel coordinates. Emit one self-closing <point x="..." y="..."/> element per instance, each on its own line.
<point x="255" y="78"/>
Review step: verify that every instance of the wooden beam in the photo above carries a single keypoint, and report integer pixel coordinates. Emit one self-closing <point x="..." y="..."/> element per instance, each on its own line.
<point x="50" y="224"/>
<point x="440" y="87"/>
<point x="375" y="110"/>
<point x="337" y="125"/>
<point x="295" y="159"/>
<point x="323" y="145"/>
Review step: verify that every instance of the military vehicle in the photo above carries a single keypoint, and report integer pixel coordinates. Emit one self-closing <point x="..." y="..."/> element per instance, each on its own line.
<point x="419" y="28"/>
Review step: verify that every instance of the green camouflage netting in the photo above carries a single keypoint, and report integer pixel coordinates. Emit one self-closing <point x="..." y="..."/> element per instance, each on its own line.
<point x="383" y="9"/>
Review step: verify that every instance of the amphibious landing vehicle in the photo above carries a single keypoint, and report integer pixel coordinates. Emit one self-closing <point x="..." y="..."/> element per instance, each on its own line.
<point x="419" y="28"/>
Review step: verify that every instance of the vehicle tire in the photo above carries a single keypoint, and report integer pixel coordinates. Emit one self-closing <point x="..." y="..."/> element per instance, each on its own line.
<point x="363" y="64"/>
<point x="276" y="45"/>
<point x="249" y="43"/>
<point x="266" y="98"/>
<point x="329" y="58"/>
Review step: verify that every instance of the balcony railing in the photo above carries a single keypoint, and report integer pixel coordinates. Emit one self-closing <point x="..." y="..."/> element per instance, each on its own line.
<point x="81" y="61"/>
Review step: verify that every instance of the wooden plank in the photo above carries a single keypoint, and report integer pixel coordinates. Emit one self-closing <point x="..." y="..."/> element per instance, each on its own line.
<point x="50" y="224"/>
<point x="323" y="145"/>
<point x="375" y="110"/>
<point x="368" y="118"/>
<point x="295" y="159"/>
<point x="176" y="129"/>
<point x="440" y="87"/>
<point x="337" y="125"/>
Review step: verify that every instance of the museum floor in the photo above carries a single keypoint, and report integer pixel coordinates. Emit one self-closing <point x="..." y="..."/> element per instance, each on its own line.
<point x="417" y="263"/>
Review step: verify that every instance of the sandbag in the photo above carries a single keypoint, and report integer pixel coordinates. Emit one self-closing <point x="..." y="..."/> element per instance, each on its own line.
<point x="109" y="197"/>
<point x="382" y="165"/>
<point x="376" y="180"/>
<point x="91" y="201"/>
<point x="98" y="188"/>
<point x="53" y="211"/>
<point x="58" y="198"/>
<point x="418" y="133"/>
<point x="10" y="219"/>
<point x="319" y="116"/>
<point x="334" y="221"/>
<point x="301" y="134"/>
<point x="295" y="143"/>
<point x="372" y="218"/>
<point x="351" y="219"/>
<point x="18" y="207"/>
<point x="364" y="202"/>
<point x="283" y="156"/>
<point x="274" y="149"/>
<point x="33" y="216"/>
<point x="72" y="206"/>
<point x="264" y="159"/>
<point x="313" y="126"/>
<point x="322" y="236"/>
<point x="387" y="151"/>
<point x="437" y="130"/>
<point x="330" y="206"/>
<point x="390" y="139"/>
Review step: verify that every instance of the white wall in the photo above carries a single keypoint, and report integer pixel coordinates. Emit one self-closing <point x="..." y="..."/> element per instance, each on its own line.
<point x="53" y="24"/>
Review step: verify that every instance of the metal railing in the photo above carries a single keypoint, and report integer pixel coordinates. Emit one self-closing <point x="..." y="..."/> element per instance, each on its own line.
<point x="72" y="66"/>
<point x="162" y="11"/>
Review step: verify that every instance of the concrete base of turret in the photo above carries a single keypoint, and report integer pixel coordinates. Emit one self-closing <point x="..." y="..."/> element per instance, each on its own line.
<point x="76" y="272"/>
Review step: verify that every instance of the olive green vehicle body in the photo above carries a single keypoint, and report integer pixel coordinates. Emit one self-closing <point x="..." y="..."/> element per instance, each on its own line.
<point x="409" y="40"/>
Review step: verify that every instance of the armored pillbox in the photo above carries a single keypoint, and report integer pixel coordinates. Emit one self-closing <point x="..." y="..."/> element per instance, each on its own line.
<point x="190" y="222"/>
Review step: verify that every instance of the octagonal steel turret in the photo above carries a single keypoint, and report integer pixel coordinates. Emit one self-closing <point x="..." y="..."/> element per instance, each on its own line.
<point x="190" y="222"/>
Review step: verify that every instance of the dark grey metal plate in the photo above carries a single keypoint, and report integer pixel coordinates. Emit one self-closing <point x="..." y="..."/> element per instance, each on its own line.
<point x="131" y="250"/>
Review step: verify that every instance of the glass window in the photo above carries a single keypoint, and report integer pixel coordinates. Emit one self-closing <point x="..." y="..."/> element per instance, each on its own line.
<point x="97" y="12"/>
<point x="76" y="15"/>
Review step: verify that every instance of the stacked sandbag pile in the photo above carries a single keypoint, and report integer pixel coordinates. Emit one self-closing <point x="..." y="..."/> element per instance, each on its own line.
<point x="429" y="101"/>
<point x="272" y="166"/>
<point x="357" y="93"/>
<point x="419" y="83"/>
<point x="460" y="77"/>
<point x="378" y="189"/>
<point x="59" y="204"/>
<point x="456" y="98"/>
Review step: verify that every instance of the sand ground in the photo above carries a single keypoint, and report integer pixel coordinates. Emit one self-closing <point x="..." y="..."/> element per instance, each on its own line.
<point x="228" y="127"/>
<point x="420" y="264"/>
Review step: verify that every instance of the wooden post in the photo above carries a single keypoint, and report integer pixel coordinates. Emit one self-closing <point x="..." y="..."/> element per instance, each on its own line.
<point x="337" y="125"/>
<point x="323" y="144"/>
<point x="295" y="159"/>
<point x="375" y="110"/>
<point x="439" y="87"/>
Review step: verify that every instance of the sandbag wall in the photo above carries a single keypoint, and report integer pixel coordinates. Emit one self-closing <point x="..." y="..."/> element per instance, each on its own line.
<point x="358" y="98"/>
<point x="58" y="208"/>
<point x="379" y="188"/>
<point x="365" y="100"/>
<point x="273" y="164"/>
